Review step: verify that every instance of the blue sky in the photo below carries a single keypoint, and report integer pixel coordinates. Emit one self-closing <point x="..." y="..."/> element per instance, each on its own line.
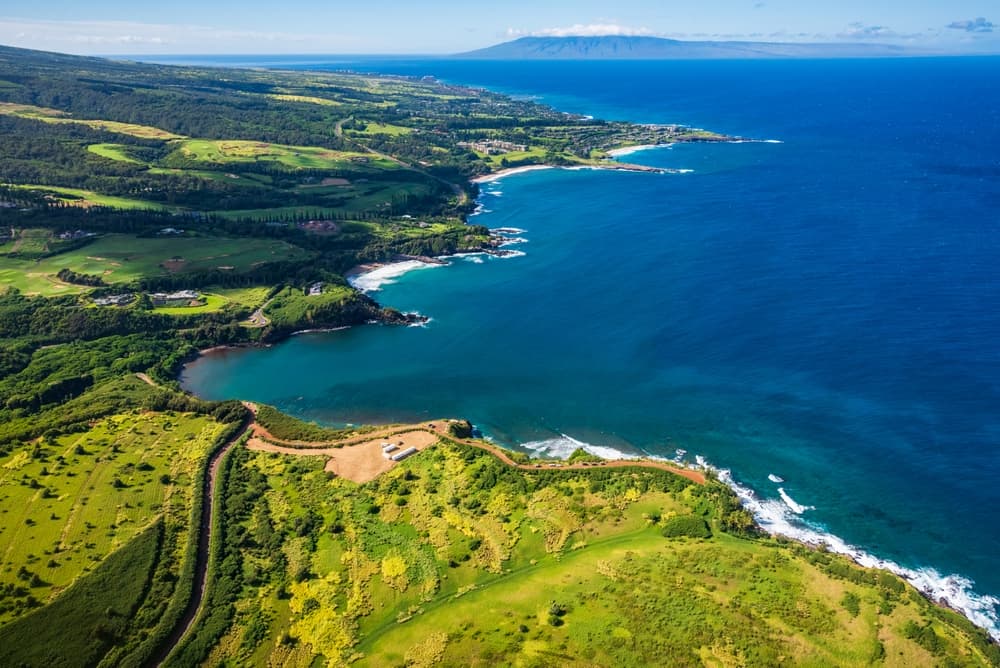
<point x="449" y="26"/>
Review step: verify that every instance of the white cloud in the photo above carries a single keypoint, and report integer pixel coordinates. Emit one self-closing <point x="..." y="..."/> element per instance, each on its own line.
<point x="859" y="30"/>
<point x="126" y="37"/>
<point x="979" y="24"/>
<point x="584" y="30"/>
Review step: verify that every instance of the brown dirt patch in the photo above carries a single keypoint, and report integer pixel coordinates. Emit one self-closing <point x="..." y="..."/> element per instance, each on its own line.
<point x="173" y="265"/>
<point x="360" y="462"/>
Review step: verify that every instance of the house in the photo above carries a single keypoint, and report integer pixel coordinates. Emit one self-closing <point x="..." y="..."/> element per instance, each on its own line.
<point x="75" y="234"/>
<point x="115" y="300"/>
<point x="161" y="298"/>
<point x="315" y="290"/>
<point x="493" y="146"/>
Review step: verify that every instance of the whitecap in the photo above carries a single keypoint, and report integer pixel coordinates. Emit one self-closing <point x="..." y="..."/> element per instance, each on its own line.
<point x="797" y="508"/>
<point x="955" y="591"/>
<point x="372" y="281"/>
<point x="562" y="446"/>
<point x="775" y="478"/>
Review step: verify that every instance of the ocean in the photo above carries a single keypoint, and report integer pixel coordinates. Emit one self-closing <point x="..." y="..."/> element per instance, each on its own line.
<point x="819" y="318"/>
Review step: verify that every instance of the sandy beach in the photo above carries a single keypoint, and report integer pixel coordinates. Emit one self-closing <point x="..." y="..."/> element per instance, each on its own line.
<point x="486" y="178"/>
<point x="627" y="150"/>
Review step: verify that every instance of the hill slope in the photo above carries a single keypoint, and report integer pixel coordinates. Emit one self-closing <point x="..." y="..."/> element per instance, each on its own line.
<point x="657" y="48"/>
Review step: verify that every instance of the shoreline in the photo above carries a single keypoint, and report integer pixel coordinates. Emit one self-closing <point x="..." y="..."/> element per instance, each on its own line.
<point x="608" y="166"/>
<point x="772" y="517"/>
<point x="628" y="150"/>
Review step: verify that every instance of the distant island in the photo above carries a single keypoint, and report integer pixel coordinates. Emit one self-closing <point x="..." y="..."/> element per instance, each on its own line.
<point x="626" y="47"/>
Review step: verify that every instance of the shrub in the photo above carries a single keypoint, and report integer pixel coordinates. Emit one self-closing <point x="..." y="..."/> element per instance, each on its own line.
<point x="690" y="526"/>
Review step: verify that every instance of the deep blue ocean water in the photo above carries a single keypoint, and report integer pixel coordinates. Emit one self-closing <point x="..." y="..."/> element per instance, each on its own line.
<point x="826" y="309"/>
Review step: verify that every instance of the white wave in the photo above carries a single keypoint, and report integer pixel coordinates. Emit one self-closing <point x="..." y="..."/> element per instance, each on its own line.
<point x="775" y="478"/>
<point x="772" y="141"/>
<point x="510" y="241"/>
<point x="954" y="591"/>
<point x="797" y="508"/>
<point x="475" y="259"/>
<point x="629" y="150"/>
<point x="683" y="171"/>
<point x="508" y="230"/>
<point x="563" y="446"/>
<point x="423" y="322"/>
<point x="507" y="253"/>
<point x="372" y="281"/>
<point x="495" y="193"/>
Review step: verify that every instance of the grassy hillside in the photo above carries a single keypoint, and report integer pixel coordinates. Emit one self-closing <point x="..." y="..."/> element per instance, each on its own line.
<point x="453" y="558"/>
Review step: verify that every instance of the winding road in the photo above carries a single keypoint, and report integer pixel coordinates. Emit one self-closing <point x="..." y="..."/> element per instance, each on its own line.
<point x="208" y="510"/>
<point x="438" y="427"/>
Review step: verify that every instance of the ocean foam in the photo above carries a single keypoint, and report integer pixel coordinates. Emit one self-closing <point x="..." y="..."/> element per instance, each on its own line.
<point x="629" y="150"/>
<point x="954" y="591"/>
<point x="563" y="446"/>
<point x="780" y="517"/>
<point x="775" y="478"/>
<point x="372" y="281"/>
<point x="797" y="508"/>
<point x="508" y="230"/>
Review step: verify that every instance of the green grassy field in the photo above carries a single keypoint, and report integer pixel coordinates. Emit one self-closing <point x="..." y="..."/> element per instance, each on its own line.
<point x="250" y="297"/>
<point x="310" y="99"/>
<point x="80" y="626"/>
<point x="536" y="154"/>
<point x="54" y="116"/>
<point x="211" y="304"/>
<point x="454" y="559"/>
<point x="291" y="157"/>
<point x="89" y="198"/>
<point x="118" y="152"/>
<point x="122" y="258"/>
<point x="21" y="274"/>
<point x="68" y="503"/>
<point x="249" y="180"/>
<point x="374" y="128"/>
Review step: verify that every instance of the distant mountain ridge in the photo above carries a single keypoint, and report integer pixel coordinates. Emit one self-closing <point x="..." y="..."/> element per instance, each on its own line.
<point x="657" y="48"/>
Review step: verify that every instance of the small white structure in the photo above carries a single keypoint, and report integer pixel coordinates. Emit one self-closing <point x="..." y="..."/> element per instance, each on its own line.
<point x="388" y="449"/>
<point x="400" y="456"/>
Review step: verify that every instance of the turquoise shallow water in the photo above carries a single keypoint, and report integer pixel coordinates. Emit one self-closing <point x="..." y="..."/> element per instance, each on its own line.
<point x="824" y="309"/>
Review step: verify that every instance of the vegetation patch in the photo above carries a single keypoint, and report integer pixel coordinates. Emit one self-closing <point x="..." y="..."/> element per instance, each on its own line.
<point x="79" y="627"/>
